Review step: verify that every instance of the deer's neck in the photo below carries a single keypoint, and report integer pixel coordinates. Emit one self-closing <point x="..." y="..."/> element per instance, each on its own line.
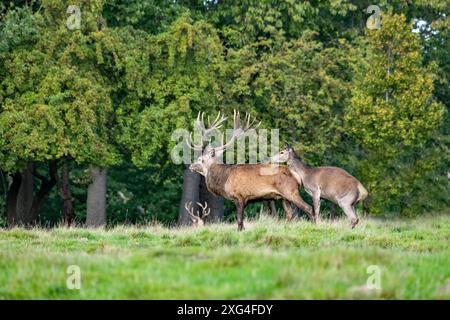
<point x="216" y="178"/>
<point x="298" y="166"/>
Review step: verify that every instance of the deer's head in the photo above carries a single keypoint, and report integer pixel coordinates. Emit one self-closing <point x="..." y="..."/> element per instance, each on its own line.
<point x="284" y="155"/>
<point x="203" y="162"/>
<point x="198" y="220"/>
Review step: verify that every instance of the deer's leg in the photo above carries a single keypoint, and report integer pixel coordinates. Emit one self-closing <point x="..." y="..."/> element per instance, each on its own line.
<point x="240" y="205"/>
<point x="288" y="209"/>
<point x="273" y="208"/>
<point x="316" y="202"/>
<point x="298" y="201"/>
<point x="333" y="211"/>
<point x="349" y="210"/>
<point x="355" y="219"/>
<point x="270" y="205"/>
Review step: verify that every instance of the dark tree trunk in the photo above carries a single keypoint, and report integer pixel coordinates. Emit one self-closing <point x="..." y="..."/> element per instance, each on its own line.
<point x="96" y="198"/>
<point x="365" y="207"/>
<point x="11" y="198"/>
<point x="25" y="197"/>
<point x="22" y="206"/>
<point x="191" y="183"/>
<point x="45" y="188"/>
<point x="215" y="203"/>
<point x="68" y="212"/>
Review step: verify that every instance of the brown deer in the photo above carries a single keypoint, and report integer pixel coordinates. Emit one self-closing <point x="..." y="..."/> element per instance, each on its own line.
<point x="331" y="183"/>
<point x="198" y="220"/>
<point x="243" y="183"/>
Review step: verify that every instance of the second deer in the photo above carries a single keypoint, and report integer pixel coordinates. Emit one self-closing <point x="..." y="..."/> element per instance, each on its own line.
<point x="331" y="183"/>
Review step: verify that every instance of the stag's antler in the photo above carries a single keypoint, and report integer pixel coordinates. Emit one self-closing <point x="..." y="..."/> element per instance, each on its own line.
<point x="198" y="218"/>
<point x="190" y="208"/>
<point x="205" y="210"/>
<point x="212" y="126"/>
<point x="238" y="131"/>
<point x="216" y="124"/>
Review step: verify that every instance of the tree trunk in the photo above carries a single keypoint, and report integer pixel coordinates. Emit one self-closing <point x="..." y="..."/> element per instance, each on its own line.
<point x="191" y="183"/>
<point x="215" y="203"/>
<point x="11" y="198"/>
<point x="68" y="212"/>
<point x="96" y="198"/>
<point x="25" y="197"/>
<point x="22" y="206"/>
<point x="45" y="188"/>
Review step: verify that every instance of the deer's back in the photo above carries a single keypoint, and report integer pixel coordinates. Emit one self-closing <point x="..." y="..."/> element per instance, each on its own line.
<point x="254" y="181"/>
<point x="333" y="182"/>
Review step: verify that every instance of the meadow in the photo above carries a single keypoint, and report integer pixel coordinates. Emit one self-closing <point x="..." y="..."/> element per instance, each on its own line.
<point x="271" y="259"/>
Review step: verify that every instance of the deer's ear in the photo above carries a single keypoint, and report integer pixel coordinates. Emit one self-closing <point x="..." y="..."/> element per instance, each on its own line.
<point x="212" y="152"/>
<point x="288" y="146"/>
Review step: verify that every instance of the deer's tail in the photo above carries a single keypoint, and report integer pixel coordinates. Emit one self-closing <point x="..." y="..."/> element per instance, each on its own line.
<point x="363" y="193"/>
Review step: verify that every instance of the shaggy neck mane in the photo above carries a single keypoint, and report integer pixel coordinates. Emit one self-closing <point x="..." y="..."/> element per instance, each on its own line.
<point x="217" y="177"/>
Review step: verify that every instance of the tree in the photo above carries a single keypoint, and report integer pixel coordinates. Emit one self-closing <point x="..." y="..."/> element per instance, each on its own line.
<point x="54" y="99"/>
<point x="96" y="198"/>
<point x="392" y="114"/>
<point x="107" y="97"/>
<point x="68" y="212"/>
<point x="164" y="82"/>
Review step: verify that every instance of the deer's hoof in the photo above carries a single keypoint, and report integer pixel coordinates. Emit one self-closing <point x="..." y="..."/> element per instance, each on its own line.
<point x="291" y="218"/>
<point x="354" y="222"/>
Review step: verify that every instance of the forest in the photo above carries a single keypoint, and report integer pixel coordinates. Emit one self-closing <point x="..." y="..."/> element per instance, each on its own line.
<point x="91" y="92"/>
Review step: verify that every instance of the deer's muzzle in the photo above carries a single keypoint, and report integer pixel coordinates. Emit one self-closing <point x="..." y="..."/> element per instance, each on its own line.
<point x="195" y="167"/>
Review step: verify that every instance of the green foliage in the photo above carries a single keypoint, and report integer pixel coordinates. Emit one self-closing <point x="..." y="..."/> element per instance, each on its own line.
<point x="175" y="75"/>
<point x="296" y="90"/>
<point x="55" y="101"/>
<point x="112" y="93"/>
<point x="279" y="67"/>
<point x="393" y="114"/>
<point x="151" y="16"/>
<point x="392" y="104"/>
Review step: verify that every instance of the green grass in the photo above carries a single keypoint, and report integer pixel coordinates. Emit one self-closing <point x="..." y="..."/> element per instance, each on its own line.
<point x="270" y="259"/>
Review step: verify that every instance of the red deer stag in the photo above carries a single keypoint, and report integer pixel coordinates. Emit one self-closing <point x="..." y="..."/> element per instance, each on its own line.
<point x="242" y="183"/>
<point x="331" y="183"/>
<point x="198" y="220"/>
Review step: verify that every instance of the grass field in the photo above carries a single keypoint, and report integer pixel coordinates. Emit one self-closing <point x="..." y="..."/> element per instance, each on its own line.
<point x="270" y="259"/>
